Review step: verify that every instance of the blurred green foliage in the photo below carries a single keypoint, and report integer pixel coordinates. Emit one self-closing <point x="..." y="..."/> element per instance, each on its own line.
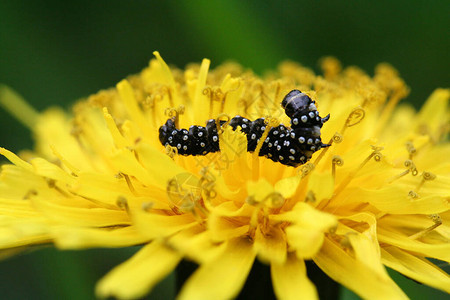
<point x="54" y="52"/>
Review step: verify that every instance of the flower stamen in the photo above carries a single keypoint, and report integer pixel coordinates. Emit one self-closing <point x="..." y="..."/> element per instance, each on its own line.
<point x="336" y="161"/>
<point x="122" y="203"/>
<point x="270" y="123"/>
<point x="130" y="184"/>
<point x="411" y="149"/>
<point x="310" y="197"/>
<point x="215" y="95"/>
<point x="52" y="184"/>
<point x="354" y="118"/>
<point x="425" y="177"/>
<point x="411" y="167"/>
<point x="72" y="169"/>
<point x="207" y="183"/>
<point x="174" y="113"/>
<point x="272" y="201"/>
<point x="29" y="194"/>
<point x="221" y="127"/>
<point x="147" y="206"/>
<point x="306" y="170"/>
<point x="413" y="195"/>
<point x="179" y="198"/>
<point x="437" y="220"/>
<point x="376" y="154"/>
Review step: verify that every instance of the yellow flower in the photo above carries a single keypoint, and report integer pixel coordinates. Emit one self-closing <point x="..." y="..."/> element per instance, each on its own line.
<point x="378" y="196"/>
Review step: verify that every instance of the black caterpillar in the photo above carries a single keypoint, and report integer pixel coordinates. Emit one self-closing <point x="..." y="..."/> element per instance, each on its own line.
<point x="289" y="146"/>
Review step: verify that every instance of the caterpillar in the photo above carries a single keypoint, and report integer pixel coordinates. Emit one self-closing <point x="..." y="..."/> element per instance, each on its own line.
<point x="291" y="146"/>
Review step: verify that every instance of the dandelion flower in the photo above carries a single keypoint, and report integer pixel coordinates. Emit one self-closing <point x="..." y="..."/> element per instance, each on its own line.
<point x="377" y="196"/>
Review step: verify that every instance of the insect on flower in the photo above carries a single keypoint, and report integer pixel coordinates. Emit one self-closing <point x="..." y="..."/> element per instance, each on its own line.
<point x="290" y="146"/>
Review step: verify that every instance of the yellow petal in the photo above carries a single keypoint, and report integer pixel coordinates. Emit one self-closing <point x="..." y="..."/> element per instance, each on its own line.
<point x="19" y="209"/>
<point x="414" y="224"/>
<point x="366" y="249"/>
<point x="201" y="103"/>
<point x="53" y="134"/>
<point x="69" y="237"/>
<point x="15" y="159"/>
<point x="287" y="186"/>
<point x="18" y="107"/>
<point x="44" y="168"/>
<point x="270" y="246"/>
<point x="439" y="251"/>
<point x="79" y="216"/>
<point x="434" y="112"/>
<point x="16" y="182"/>
<point x="106" y="188"/>
<point x="418" y="268"/>
<point x="395" y="200"/>
<point x="306" y="216"/>
<point x="232" y="144"/>
<point x="225" y="190"/>
<point x="306" y="233"/>
<point x="259" y="189"/>
<point x="158" y="165"/>
<point x="125" y="162"/>
<point x="137" y="276"/>
<point x="166" y="74"/>
<point x="153" y="225"/>
<point x="341" y="267"/>
<point x="126" y="93"/>
<point x="223" y="228"/>
<point x="197" y="244"/>
<point x="117" y="137"/>
<point x="17" y="232"/>
<point x="322" y="185"/>
<point x="366" y="243"/>
<point x="304" y="240"/>
<point x="229" y="209"/>
<point x="290" y="281"/>
<point x="222" y="278"/>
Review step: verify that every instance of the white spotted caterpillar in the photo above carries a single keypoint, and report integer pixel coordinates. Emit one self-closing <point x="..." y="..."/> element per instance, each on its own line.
<point x="292" y="146"/>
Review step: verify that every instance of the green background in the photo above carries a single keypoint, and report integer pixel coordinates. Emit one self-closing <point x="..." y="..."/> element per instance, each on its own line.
<point x="54" y="52"/>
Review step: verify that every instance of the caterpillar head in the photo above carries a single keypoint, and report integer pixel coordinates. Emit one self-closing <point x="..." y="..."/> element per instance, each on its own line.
<point x="296" y="101"/>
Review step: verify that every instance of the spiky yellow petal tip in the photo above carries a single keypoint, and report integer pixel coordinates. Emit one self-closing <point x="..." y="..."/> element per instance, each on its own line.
<point x="377" y="196"/>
